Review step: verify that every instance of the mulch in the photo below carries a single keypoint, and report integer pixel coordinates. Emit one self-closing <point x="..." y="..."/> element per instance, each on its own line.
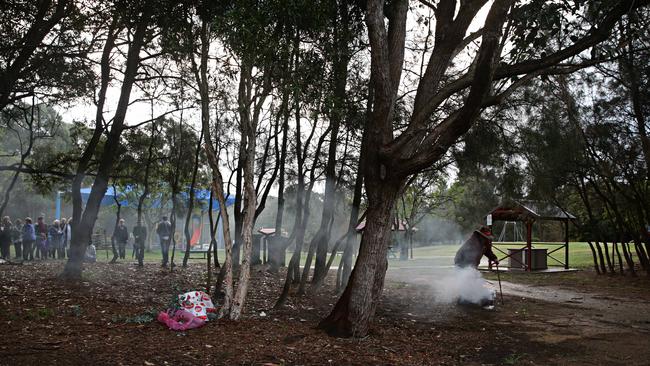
<point x="106" y="320"/>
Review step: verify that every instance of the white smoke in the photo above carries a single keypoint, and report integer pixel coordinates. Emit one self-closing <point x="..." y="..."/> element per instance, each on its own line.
<point x="462" y="284"/>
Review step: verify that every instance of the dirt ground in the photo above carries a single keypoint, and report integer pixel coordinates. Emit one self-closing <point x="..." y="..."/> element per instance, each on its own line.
<point x="104" y="320"/>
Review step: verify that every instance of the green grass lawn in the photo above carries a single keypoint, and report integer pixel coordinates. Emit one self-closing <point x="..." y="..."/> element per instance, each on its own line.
<point x="579" y="252"/>
<point x="579" y="255"/>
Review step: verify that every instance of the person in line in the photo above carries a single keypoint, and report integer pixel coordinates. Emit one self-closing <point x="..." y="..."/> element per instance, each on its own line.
<point x="69" y="235"/>
<point x="17" y="238"/>
<point x="478" y="245"/>
<point x="55" y="235"/>
<point x="41" y="238"/>
<point x="139" y="238"/>
<point x="29" y="238"/>
<point x="65" y="240"/>
<point x="5" y="238"/>
<point x="121" y="237"/>
<point x="164" y="231"/>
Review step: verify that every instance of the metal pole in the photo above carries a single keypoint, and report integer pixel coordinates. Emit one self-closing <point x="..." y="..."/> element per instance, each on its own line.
<point x="57" y="209"/>
<point x="529" y="238"/>
<point x="499" y="279"/>
<point x="566" y="244"/>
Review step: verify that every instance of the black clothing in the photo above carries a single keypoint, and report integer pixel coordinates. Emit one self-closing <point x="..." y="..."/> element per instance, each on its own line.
<point x="140" y="236"/>
<point x="5" y="242"/>
<point x="28" y="250"/>
<point x="164" y="231"/>
<point x="473" y="249"/>
<point x="121" y="234"/>
<point x="17" y="238"/>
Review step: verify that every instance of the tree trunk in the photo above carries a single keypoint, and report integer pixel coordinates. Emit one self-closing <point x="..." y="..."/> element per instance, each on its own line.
<point x="620" y="260"/>
<point x="201" y="76"/>
<point x="77" y="252"/>
<point x="353" y="312"/>
<point x="82" y="229"/>
<point x="147" y="168"/>
<point x="213" y="231"/>
<point x="249" y="130"/>
<point x="643" y="259"/>
<point x="190" y="207"/>
<point x="628" y="258"/>
<point x="274" y="253"/>
<point x="601" y="259"/>
<point x="238" y="212"/>
<point x="302" y="207"/>
<point x="595" y="257"/>
<point x="208" y="284"/>
<point x="172" y="219"/>
<point x="345" y="267"/>
<point x="609" y="261"/>
<point x="322" y="237"/>
<point x="117" y="222"/>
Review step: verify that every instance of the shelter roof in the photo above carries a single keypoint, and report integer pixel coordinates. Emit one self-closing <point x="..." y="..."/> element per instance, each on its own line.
<point x="529" y="210"/>
<point x="270" y="231"/>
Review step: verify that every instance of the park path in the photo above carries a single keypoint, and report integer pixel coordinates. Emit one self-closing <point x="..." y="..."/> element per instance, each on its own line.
<point x="614" y="310"/>
<point x="617" y="311"/>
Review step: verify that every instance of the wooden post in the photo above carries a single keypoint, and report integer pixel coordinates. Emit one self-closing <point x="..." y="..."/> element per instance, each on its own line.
<point x="529" y="245"/>
<point x="566" y="244"/>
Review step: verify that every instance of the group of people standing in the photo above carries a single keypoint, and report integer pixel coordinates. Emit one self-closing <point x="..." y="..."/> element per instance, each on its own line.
<point x="34" y="240"/>
<point x="41" y="241"/>
<point x="121" y="237"/>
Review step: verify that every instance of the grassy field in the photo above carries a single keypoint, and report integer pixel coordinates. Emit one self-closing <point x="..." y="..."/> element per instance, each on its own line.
<point x="579" y="255"/>
<point x="579" y="252"/>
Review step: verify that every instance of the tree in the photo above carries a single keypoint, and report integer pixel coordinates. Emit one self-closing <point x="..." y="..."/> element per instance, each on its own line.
<point x="423" y="194"/>
<point x="28" y="128"/>
<point x="41" y="50"/>
<point x="84" y="220"/>
<point x="345" y="22"/>
<point x="445" y="106"/>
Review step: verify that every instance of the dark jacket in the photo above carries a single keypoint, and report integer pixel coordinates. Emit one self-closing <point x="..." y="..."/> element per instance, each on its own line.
<point x="29" y="233"/>
<point x="16" y="233"/>
<point x="140" y="234"/>
<point x="473" y="249"/>
<point x="41" y="230"/>
<point x="5" y="236"/>
<point x="164" y="229"/>
<point x="121" y="234"/>
<point x="56" y="236"/>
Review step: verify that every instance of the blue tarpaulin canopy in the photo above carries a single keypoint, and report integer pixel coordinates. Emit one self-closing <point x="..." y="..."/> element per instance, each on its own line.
<point x="200" y="195"/>
<point x="109" y="197"/>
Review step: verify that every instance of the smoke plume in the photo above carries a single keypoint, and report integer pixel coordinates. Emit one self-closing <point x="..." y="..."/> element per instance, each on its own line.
<point x="464" y="285"/>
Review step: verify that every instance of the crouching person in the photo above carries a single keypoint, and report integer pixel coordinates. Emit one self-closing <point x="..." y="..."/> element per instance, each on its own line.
<point x="477" y="246"/>
<point x="472" y="288"/>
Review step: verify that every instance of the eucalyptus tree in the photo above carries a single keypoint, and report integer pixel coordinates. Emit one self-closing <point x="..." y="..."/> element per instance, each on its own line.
<point x="344" y="23"/>
<point x="514" y="47"/>
<point x="136" y="22"/>
<point x="33" y="135"/>
<point x="41" y="50"/>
